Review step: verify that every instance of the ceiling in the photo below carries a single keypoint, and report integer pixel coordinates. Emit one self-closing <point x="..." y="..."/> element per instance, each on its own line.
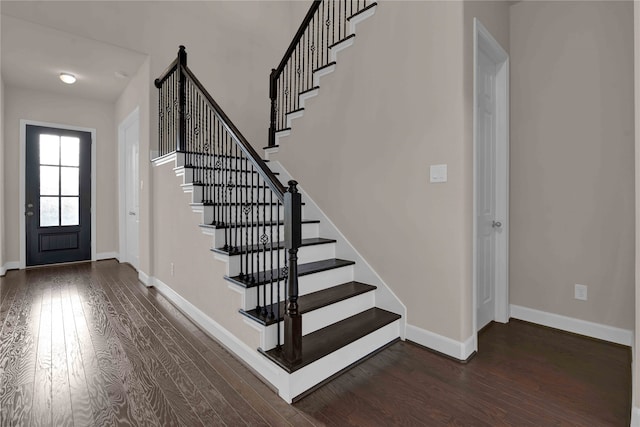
<point x="33" y="56"/>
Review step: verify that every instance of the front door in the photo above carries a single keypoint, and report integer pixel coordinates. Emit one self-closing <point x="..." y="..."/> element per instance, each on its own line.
<point x="58" y="195"/>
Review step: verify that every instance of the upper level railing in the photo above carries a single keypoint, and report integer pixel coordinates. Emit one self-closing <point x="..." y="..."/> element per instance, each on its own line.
<point x="326" y="24"/>
<point x="245" y="199"/>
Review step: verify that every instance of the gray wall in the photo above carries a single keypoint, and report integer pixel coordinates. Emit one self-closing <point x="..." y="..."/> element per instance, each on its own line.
<point x="572" y="159"/>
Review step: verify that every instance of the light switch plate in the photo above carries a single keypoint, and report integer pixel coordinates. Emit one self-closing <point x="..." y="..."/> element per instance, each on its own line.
<point x="438" y="173"/>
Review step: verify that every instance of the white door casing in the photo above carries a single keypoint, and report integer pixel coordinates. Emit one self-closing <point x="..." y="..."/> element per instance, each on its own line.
<point x="491" y="180"/>
<point x="129" y="189"/>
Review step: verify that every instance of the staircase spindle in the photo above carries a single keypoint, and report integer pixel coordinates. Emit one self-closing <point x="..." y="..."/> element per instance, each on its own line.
<point x="238" y="190"/>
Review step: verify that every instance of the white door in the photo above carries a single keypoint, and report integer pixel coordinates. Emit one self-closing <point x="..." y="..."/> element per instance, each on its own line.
<point x="487" y="223"/>
<point x="131" y="206"/>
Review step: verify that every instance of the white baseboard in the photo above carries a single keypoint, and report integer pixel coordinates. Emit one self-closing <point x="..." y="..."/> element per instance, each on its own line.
<point x="106" y="255"/>
<point x="576" y="326"/>
<point x="441" y="344"/>
<point x="145" y="279"/>
<point x="635" y="417"/>
<point x="12" y="265"/>
<point x="269" y="371"/>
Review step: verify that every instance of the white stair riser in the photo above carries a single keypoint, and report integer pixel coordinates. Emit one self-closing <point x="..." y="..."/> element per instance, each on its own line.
<point x="259" y="260"/>
<point x="353" y="22"/>
<point x="308" y="231"/>
<point x="219" y="193"/>
<point x="204" y="159"/>
<point x="305" y="378"/>
<point x="310" y="94"/>
<point x="333" y="52"/>
<point x="323" y="72"/>
<point x="325" y="316"/>
<point x="306" y="284"/>
<point x="292" y="116"/>
<point x="228" y="213"/>
<point x="189" y="176"/>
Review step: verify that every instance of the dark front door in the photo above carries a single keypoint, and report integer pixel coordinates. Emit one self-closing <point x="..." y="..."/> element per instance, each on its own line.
<point x="58" y="195"/>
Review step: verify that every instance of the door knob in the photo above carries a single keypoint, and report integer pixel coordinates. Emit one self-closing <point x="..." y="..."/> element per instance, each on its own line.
<point x="496" y="224"/>
<point x="132" y="213"/>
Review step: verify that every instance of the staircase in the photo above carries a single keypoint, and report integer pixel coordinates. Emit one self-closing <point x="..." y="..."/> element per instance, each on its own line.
<point x="317" y="313"/>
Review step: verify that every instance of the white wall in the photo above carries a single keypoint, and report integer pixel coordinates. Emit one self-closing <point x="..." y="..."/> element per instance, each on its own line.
<point x="25" y="104"/>
<point x="572" y="159"/>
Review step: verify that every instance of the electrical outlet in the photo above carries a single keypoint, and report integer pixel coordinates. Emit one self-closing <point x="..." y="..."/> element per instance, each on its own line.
<point x="580" y="292"/>
<point x="172" y="270"/>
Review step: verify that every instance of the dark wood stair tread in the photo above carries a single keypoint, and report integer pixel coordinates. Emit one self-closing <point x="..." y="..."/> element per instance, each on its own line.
<point x="263" y="277"/>
<point x="280" y="245"/>
<point x="238" y="204"/>
<point x="295" y="111"/>
<point x="325" y="341"/>
<point x="256" y="224"/>
<point x="312" y="301"/>
<point x="309" y="90"/>
<point x="324" y="66"/>
<point x="351" y="36"/>
<point x="372" y="5"/>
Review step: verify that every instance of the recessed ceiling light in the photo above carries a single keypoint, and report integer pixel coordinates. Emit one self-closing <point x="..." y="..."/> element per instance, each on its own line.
<point x="68" y="78"/>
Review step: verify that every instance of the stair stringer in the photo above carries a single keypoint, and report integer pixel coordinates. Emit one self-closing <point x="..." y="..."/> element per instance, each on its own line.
<point x="346" y="42"/>
<point x="385" y="298"/>
<point x="261" y="366"/>
<point x="288" y="385"/>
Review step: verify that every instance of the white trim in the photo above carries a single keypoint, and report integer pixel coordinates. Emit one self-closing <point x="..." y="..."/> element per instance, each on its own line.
<point x="385" y="297"/>
<point x="145" y="279"/>
<point x="489" y="44"/>
<point x="12" y="265"/>
<point x="133" y="117"/>
<point x="269" y="371"/>
<point x="21" y="209"/>
<point x="167" y="158"/>
<point x="635" y="416"/>
<point x="450" y="347"/>
<point x="576" y="326"/>
<point x="107" y="255"/>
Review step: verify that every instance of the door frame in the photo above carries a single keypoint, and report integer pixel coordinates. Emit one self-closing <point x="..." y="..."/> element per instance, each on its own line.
<point x="131" y="118"/>
<point x="482" y="39"/>
<point x="23" y="167"/>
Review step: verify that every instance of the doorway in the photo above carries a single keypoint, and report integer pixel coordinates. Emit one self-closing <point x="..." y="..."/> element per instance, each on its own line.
<point x="129" y="141"/>
<point x="491" y="180"/>
<point x="58" y="190"/>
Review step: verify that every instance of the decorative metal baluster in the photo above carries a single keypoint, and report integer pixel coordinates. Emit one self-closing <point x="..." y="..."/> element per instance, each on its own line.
<point x="339" y="21"/>
<point x="264" y="241"/>
<point x="280" y="273"/>
<point x="322" y="25"/>
<point x="255" y="234"/>
<point x="236" y="204"/>
<point x="226" y="205"/>
<point x="218" y="165"/>
<point x="271" y="254"/>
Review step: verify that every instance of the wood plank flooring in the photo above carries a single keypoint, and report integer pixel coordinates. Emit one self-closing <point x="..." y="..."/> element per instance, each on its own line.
<point x="88" y="345"/>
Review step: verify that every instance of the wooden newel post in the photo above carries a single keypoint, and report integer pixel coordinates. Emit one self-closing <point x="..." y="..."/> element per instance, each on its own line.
<point x="182" y="100"/>
<point x="273" y="94"/>
<point x="293" y="240"/>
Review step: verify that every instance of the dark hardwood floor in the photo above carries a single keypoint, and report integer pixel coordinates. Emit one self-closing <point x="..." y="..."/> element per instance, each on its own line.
<point x="88" y="345"/>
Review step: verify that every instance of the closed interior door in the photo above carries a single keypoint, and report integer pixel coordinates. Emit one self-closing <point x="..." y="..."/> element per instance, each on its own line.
<point x="58" y="195"/>
<point x="131" y="192"/>
<point x="487" y="225"/>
